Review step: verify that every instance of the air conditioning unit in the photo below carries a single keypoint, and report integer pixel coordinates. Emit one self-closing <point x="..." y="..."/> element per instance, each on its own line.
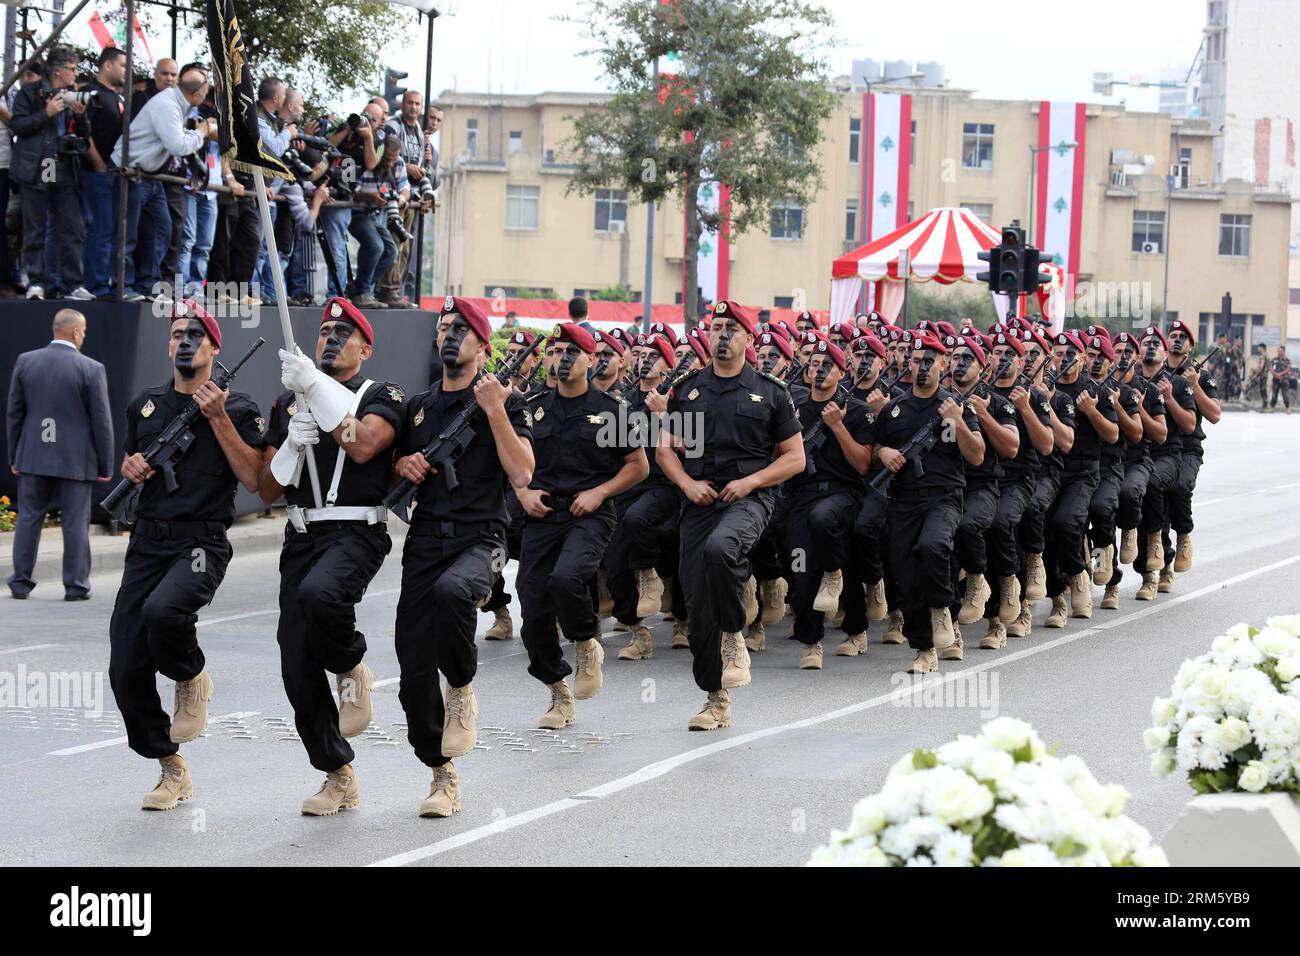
<point x="1151" y="248"/>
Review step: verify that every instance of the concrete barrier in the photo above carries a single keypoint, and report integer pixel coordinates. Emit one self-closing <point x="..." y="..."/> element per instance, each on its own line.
<point x="1236" y="829"/>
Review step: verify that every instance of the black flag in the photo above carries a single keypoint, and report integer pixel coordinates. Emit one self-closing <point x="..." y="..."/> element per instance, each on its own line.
<point x="240" y="143"/>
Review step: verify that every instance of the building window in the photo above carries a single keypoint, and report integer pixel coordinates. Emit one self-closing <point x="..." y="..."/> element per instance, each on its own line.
<point x="611" y="210"/>
<point x="1234" y="235"/>
<point x="471" y="137"/>
<point x="1183" y="171"/>
<point x="912" y="147"/>
<point x="1293" y="296"/>
<point x="910" y="217"/>
<point x="984" y="210"/>
<point x="851" y="220"/>
<point x="521" y="207"/>
<point x="787" y="220"/>
<point x="1204" y="321"/>
<point x="977" y="145"/>
<point x="1148" y="231"/>
<point x="855" y="139"/>
<point x="516" y="141"/>
<point x="783" y="302"/>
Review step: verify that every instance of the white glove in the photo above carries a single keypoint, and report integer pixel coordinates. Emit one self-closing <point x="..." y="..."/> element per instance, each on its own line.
<point x="328" y="399"/>
<point x="297" y="372"/>
<point x="303" y="431"/>
<point x="287" y="462"/>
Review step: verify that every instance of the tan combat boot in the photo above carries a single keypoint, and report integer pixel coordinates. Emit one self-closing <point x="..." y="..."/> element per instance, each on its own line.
<point x="190" y="718"/>
<point x="642" y="647"/>
<point x="941" y="627"/>
<point x="1155" y="552"/>
<point x="877" y="606"/>
<point x="1009" y="598"/>
<point x="1059" y="614"/>
<point x="1128" y="546"/>
<point x="680" y="640"/>
<point x="751" y="599"/>
<point x="562" y="711"/>
<point x="650" y="592"/>
<point x="460" y="726"/>
<point x="894" y="635"/>
<point x="996" y="638"/>
<point x="1147" y="592"/>
<point x="956" y="651"/>
<point x="1035" y="578"/>
<point x="756" y="637"/>
<point x="444" y="793"/>
<point x="1166" y="580"/>
<point x="1110" y="600"/>
<point x="173" y="786"/>
<point x="1023" y="623"/>
<point x="1183" y="553"/>
<point x="1105" y="566"/>
<point x="716" y="712"/>
<point x="338" y="792"/>
<point x="666" y="602"/>
<point x="977" y="595"/>
<point x="854" y="645"/>
<point x="926" y="662"/>
<point x="811" y="657"/>
<point x="828" y="594"/>
<point x="355" y="704"/>
<point x="503" y="628"/>
<point x="774" y="594"/>
<point x="735" y="660"/>
<point x="1081" y="595"/>
<point x="589" y="673"/>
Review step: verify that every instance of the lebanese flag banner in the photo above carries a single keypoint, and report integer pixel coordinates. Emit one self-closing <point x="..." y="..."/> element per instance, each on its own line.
<point x="713" y="260"/>
<point x="889" y="150"/>
<point x="115" y="36"/>
<point x="1059" y="206"/>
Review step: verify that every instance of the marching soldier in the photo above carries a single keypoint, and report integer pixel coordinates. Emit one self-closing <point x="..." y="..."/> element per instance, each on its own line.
<point x="456" y="545"/>
<point x="925" y="508"/>
<point x="608" y="369"/>
<point x="1205" y="391"/>
<point x="583" y="463"/>
<point x="178" y="552"/>
<point x="330" y="554"/>
<point x="825" y="499"/>
<point x="750" y="443"/>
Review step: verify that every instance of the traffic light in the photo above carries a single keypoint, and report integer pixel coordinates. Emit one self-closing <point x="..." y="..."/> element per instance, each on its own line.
<point x="392" y="92"/>
<point x="990" y="256"/>
<point x="1033" y="278"/>
<point x="1006" y="262"/>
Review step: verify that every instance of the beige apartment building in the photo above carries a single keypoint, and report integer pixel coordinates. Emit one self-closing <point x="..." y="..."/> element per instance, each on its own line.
<point x="507" y="222"/>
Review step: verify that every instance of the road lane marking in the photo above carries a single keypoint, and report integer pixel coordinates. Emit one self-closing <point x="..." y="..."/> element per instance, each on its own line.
<point x="115" y="741"/>
<point x="27" y="647"/>
<point x="660" y="768"/>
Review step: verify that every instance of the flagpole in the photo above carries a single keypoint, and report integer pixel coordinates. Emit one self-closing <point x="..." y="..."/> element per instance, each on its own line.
<point x="282" y="305"/>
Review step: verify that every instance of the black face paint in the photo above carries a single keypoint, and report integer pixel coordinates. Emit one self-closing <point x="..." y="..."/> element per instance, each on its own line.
<point x="602" y="366"/>
<point x="1152" y="348"/>
<point x="188" y="348"/>
<point x="567" y="358"/>
<point x="1095" y="371"/>
<point x="823" y="373"/>
<point x="451" y="342"/>
<point x="335" y="341"/>
<point x="769" y="362"/>
<point x="723" y="351"/>
<point x="923" y="373"/>
<point x="964" y="364"/>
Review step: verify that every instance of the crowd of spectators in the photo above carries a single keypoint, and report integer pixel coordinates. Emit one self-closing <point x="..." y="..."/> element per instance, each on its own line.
<point x="192" y="224"/>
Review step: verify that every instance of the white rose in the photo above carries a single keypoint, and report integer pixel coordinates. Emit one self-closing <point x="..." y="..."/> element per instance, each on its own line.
<point x="900" y="798"/>
<point x="1031" y="854"/>
<point x="1007" y="733"/>
<point x="898" y="841"/>
<point x="1155" y="737"/>
<point x="960" y="752"/>
<point x="1162" y="711"/>
<point x="995" y="766"/>
<point x="1239" y="632"/>
<point x="1210" y="684"/>
<point x="1162" y="761"/>
<point x="954" y="797"/>
<point x="1253" y="777"/>
<point x="868" y="817"/>
<point x="1288" y="668"/>
<point x="903" y="767"/>
<point x="1234" y="733"/>
<point x="1287" y="622"/>
<point x="1118" y="799"/>
<point x="1222" y="643"/>
<point x="1276" y="642"/>
<point x="859" y="853"/>
<point x="953" y="849"/>
<point x="825" y="856"/>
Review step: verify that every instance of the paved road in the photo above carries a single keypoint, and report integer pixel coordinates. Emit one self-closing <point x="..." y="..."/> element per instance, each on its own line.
<point x="627" y="784"/>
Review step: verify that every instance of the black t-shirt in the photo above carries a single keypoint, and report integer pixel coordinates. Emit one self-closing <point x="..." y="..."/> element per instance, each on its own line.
<point x="829" y="458"/>
<point x="1192" y="442"/>
<point x="737" y="421"/>
<point x="990" y="469"/>
<point x="362" y="483"/>
<point x="643" y="437"/>
<point x="901" y="419"/>
<point x="480" y="495"/>
<point x="578" y="443"/>
<point x="1132" y="399"/>
<point x="1026" y="460"/>
<point x="1087" y="443"/>
<point x="206" y="482"/>
<point x="104" y="114"/>
<point x="1063" y="405"/>
<point x="1183" y="395"/>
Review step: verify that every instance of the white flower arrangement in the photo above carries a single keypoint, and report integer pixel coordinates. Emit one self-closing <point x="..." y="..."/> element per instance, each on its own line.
<point x="997" y="799"/>
<point x="1232" y="720"/>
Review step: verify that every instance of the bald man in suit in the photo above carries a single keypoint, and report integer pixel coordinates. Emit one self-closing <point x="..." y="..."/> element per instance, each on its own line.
<point x="60" y="444"/>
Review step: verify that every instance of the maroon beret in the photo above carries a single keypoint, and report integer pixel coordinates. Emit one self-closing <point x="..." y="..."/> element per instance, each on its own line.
<point x="728" y="309"/>
<point x="778" y="342"/>
<point x="1178" y="325"/>
<point x="953" y="342"/>
<point x="473" y="316"/>
<point x="1153" y="330"/>
<point x="662" y="346"/>
<point x="751" y="356"/>
<point x="522" y="337"/>
<point x="1125" y="338"/>
<point x="616" y="342"/>
<point x="1068" y="338"/>
<point x="699" y="343"/>
<point x="825" y="347"/>
<point x="190" y="309"/>
<point x="1008" y="338"/>
<point x="1102" y="344"/>
<point x="869" y="343"/>
<point x="1101" y="330"/>
<point x="575" y="333"/>
<point x="339" y="309"/>
<point x="661" y="328"/>
<point x="927" y="341"/>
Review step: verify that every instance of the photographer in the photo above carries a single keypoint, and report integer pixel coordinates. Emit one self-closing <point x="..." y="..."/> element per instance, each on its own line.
<point x="200" y="223"/>
<point x="355" y="139"/>
<point x="406" y="131"/>
<point x="45" y="163"/>
<point x="295" y="227"/>
<point x="158" y="134"/>
<point x="385" y="188"/>
<point x="99" y="178"/>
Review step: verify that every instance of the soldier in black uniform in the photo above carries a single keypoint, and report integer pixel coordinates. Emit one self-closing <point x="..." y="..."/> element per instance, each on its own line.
<point x="1166" y="459"/>
<point x="925" y="509"/>
<point x="525" y="386"/>
<point x="1205" y="391"/>
<point x="330" y="553"/>
<point x="178" y="552"/>
<point x="750" y="442"/>
<point x="456" y="545"/>
<point x="1103" y="510"/>
<point x="825" y="498"/>
<point x="584" y="461"/>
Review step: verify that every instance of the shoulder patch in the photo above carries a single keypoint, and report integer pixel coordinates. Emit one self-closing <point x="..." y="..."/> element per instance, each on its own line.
<point x="755" y="398"/>
<point x="1069" y="408"/>
<point x="894" y="413"/>
<point x="1009" y="408"/>
<point x="537" y="415"/>
<point x="1210" y="382"/>
<point x="693" y="395"/>
<point x="528" y="417"/>
<point x="419" y="417"/>
<point x="395" y="393"/>
<point x="147" y="409"/>
<point x="260" y="422"/>
<point x="292" y="410"/>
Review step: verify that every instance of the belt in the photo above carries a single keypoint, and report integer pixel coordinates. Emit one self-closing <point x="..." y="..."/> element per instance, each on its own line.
<point x="370" y="514"/>
<point x="427" y="527"/>
<point x="169" y="530"/>
<point x="914" y="494"/>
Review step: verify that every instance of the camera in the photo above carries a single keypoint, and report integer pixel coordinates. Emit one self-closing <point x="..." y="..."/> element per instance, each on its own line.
<point x="84" y="97"/>
<point x="424" y="190"/>
<point x="294" y="162"/>
<point x="356" y="120"/>
<point x="341" y="183"/>
<point x="70" y="144"/>
<point x="318" y="142"/>
<point x="393" y="215"/>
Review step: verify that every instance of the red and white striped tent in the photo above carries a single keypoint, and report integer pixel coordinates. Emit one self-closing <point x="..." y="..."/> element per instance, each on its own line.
<point x="941" y="246"/>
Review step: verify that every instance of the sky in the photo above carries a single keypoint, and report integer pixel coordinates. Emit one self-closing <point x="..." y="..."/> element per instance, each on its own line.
<point x="1012" y="49"/>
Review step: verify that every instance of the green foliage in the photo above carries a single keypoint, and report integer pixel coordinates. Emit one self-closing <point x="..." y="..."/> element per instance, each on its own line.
<point x="534" y="294"/>
<point x="924" y="759"/>
<point x="613" y="293"/>
<point x="949" y="307"/>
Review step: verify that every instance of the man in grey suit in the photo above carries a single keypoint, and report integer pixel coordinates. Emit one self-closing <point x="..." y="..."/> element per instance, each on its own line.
<point x="60" y="444"/>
